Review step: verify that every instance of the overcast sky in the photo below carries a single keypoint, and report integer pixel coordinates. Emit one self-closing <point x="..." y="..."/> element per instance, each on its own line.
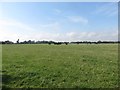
<point x="59" y="21"/>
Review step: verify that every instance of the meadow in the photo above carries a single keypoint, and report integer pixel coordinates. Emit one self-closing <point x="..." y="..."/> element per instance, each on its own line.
<point x="60" y="66"/>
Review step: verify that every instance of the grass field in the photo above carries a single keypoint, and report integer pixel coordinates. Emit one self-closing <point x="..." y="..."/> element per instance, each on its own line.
<point x="60" y="66"/>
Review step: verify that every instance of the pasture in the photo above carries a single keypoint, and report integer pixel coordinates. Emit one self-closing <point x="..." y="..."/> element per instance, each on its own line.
<point x="60" y="66"/>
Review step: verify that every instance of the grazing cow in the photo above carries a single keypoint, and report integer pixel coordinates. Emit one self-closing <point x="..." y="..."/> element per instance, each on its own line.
<point x="96" y="42"/>
<point x="49" y="43"/>
<point x="66" y="43"/>
<point x="57" y="43"/>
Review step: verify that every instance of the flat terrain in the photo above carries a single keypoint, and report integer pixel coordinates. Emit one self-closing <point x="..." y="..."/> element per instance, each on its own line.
<point x="73" y="66"/>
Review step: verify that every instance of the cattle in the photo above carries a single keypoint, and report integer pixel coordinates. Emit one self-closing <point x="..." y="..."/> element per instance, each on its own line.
<point x="66" y="43"/>
<point x="57" y="43"/>
<point x="49" y="43"/>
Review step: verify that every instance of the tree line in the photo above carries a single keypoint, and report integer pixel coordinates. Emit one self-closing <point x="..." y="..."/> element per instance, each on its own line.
<point x="58" y="43"/>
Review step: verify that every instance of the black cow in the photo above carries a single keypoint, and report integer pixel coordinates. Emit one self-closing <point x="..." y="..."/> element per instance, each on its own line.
<point x="57" y="43"/>
<point x="66" y="43"/>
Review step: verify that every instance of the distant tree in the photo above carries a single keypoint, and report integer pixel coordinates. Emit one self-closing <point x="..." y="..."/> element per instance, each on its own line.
<point x="7" y="42"/>
<point x="29" y="42"/>
<point x="18" y="41"/>
<point x="99" y="41"/>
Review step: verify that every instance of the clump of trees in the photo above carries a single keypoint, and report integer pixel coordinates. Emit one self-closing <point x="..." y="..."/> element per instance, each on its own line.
<point x="97" y="42"/>
<point x="6" y="42"/>
<point x="58" y="43"/>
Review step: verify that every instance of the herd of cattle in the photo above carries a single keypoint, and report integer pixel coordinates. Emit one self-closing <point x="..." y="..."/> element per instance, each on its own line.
<point x="59" y="43"/>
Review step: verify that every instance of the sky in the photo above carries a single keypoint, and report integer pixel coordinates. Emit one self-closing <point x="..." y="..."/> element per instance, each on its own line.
<point x="59" y="21"/>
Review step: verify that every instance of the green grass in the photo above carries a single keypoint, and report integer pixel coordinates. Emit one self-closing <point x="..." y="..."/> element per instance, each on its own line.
<point x="60" y="66"/>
